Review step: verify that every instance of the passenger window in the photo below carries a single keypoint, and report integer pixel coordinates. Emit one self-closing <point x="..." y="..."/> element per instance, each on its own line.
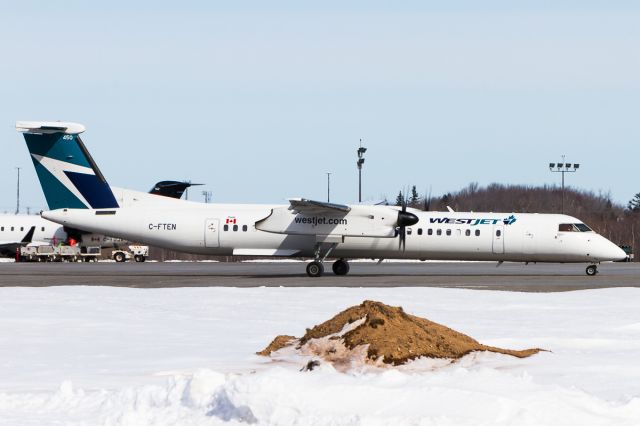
<point x="449" y="232"/>
<point x="477" y="232"/>
<point x="42" y="229"/>
<point x="22" y="228"/>
<point x="429" y="231"/>
<point x="498" y="233"/>
<point x="235" y="228"/>
<point x="409" y="231"/>
<point x="439" y="232"/>
<point x="226" y="227"/>
<point x="467" y="232"/>
<point x="419" y="231"/>
<point x="2" y="229"/>
<point x="13" y="228"/>
<point x="244" y="228"/>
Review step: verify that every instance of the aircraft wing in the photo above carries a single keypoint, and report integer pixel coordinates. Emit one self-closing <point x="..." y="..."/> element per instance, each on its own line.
<point x="327" y="220"/>
<point x="302" y="205"/>
<point x="8" y="249"/>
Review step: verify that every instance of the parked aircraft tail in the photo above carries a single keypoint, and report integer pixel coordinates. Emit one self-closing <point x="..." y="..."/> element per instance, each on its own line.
<point x="68" y="175"/>
<point x="171" y="188"/>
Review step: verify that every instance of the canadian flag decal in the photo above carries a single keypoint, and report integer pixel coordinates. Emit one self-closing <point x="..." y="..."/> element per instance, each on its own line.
<point x="231" y="219"/>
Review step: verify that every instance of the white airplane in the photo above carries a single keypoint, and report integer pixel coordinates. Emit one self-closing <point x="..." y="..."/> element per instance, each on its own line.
<point x="21" y="230"/>
<point x="303" y="228"/>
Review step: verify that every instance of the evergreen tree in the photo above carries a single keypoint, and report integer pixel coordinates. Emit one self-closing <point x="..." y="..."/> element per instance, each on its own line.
<point x="399" y="199"/>
<point x="634" y="204"/>
<point x="415" y="198"/>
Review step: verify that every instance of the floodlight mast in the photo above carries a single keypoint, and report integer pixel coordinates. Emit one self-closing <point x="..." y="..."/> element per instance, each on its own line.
<point x="563" y="168"/>
<point x="18" y="192"/>
<point x="359" y="163"/>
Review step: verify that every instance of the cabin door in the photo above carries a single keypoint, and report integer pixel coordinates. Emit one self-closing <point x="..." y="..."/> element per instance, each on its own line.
<point x="498" y="239"/>
<point x="212" y="233"/>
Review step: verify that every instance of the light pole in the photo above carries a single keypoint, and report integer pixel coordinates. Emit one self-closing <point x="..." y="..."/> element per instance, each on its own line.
<point x="328" y="186"/>
<point x="563" y="168"/>
<point x="18" y="192"/>
<point x="360" y="162"/>
<point x="207" y="196"/>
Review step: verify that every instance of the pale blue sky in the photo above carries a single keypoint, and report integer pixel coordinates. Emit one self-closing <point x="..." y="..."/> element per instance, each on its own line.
<point x="259" y="99"/>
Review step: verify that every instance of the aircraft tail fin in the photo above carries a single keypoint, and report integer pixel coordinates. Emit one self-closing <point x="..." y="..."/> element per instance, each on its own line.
<point x="171" y="188"/>
<point x="68" y="174"/>
<point x="28" y="236"/>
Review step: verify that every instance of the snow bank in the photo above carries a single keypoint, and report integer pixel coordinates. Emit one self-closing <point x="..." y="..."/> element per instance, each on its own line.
<point x="281" y="396"/>
<point x="118" y="356"/>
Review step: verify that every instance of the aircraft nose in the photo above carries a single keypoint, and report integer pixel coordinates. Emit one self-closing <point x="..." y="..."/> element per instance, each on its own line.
<point x="608" y="251"/>
<point x="618" y="253"/>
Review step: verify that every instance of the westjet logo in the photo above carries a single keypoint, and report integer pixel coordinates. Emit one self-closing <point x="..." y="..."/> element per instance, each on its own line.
<point x="315" y="221"/>
<point x="473" y="222"/>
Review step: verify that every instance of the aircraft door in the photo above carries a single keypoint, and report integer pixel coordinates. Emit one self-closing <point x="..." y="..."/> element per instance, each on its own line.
<point x="212" y="233"/>
<point x="529" y="243"/>
<point x="498" y="239"/>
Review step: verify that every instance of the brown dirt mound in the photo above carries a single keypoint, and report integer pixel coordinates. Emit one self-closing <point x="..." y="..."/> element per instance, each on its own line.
<point x="389" y="335"/>
<point x="277" y="344"/>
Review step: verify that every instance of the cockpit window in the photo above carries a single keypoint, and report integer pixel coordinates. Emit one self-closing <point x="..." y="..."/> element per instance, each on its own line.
<point x="573" y="227"/>
<point x="583" y="228"/>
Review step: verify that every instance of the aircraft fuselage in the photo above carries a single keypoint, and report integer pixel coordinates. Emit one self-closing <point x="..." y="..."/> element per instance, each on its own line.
<point x="219" y="229"/>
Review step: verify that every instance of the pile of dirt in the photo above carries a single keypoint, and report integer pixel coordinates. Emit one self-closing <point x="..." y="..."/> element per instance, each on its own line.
<point x="380" y="333"/>
<point x="277" y="344"/>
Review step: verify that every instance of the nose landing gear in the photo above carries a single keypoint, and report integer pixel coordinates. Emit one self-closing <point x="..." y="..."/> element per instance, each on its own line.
<point x="592" y="270"/>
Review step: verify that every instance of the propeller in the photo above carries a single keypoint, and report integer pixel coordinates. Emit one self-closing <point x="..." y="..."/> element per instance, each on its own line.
<point x="405" y="219"/>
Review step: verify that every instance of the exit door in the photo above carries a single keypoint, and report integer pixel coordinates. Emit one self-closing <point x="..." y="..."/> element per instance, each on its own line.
<point x="212" y="233"/>
<point x="498" y="239"/>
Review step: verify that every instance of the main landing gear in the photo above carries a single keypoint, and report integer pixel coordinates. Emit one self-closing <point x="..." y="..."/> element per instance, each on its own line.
<point x="316" y="267"/>
<point x="592" y="270"/>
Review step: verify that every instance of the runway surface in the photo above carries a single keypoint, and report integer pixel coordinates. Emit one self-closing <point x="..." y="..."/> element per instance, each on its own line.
<point x="478" y="275"/>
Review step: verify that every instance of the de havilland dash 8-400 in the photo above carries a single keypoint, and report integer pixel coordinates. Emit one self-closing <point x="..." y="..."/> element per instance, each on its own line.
<point x="303" y="228"/>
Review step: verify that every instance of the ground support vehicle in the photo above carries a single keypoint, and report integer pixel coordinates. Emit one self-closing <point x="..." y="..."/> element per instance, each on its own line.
<point x="136" y="252"/>
<point x="60" y="253"/>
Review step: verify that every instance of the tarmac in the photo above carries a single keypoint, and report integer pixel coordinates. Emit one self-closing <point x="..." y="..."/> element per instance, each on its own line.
<point x="469" y="275"/>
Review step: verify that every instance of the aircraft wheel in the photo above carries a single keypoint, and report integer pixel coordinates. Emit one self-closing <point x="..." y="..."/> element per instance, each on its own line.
<point x="119" y="257"/>
<point x="340" y="267"/>
<point x="315" y="269"/>
<point x="592" y="270"/>
<point x="138" y="258"/>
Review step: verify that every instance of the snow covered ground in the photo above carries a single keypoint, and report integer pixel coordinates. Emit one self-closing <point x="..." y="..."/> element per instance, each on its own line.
<point x="185" y="356"/>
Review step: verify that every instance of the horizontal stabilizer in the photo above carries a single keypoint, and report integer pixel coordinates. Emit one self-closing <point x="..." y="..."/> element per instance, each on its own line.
<point x="48" y="127"/>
